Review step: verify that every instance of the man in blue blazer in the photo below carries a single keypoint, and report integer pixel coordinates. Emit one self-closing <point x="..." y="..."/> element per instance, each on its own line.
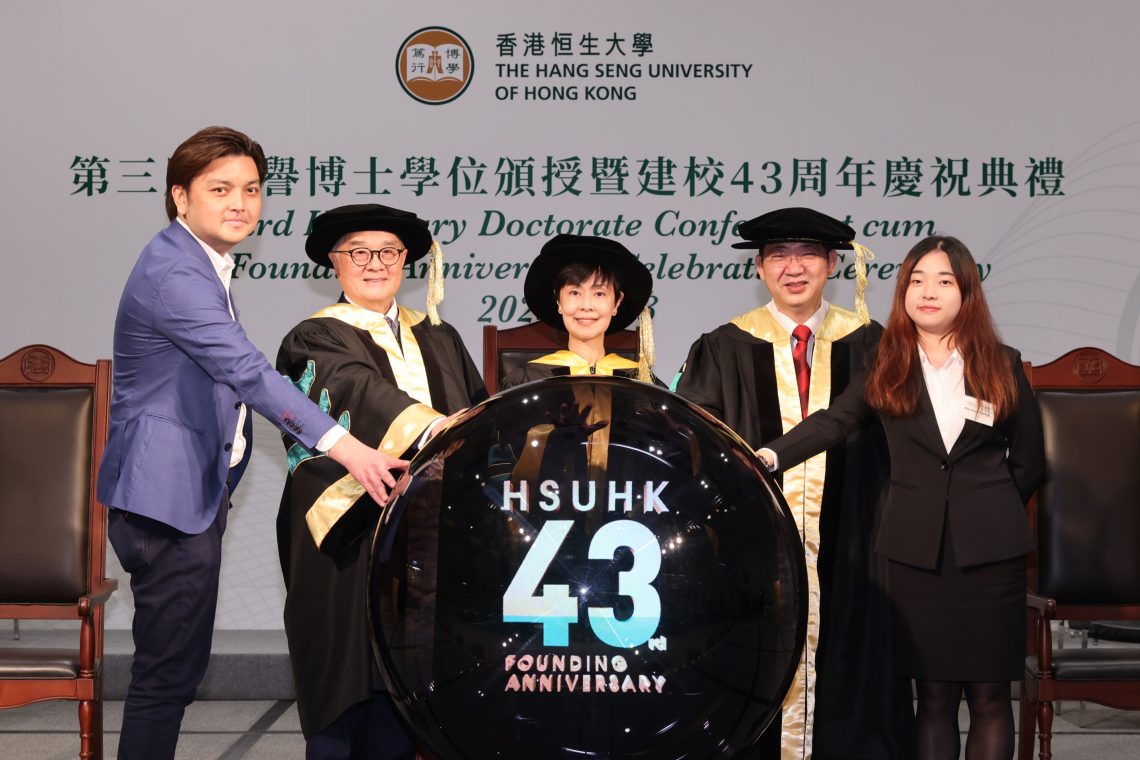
<point x="184" y="372"/>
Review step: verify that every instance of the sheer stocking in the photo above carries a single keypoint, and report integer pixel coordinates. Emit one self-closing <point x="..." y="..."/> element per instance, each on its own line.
<point x="991" y="721"/>
<point x="937" y="720"/>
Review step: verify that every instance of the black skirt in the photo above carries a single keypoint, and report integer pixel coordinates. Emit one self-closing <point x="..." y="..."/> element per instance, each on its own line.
<point x="959" y="624"/>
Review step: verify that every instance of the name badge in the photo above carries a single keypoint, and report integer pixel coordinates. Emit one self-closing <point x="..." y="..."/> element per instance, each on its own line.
<point x="978" y="411"/>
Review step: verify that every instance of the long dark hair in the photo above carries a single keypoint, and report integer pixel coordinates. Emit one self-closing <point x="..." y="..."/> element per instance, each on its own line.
<point x="895" y="380"/>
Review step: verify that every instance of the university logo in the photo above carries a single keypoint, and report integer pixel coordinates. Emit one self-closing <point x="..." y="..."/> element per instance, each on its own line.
<point x="435" y="65"/>
<point x="37" y="365"/>
<point x="1089" y="368"/>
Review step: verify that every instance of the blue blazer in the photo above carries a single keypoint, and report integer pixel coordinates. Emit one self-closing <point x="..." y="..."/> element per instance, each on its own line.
<point x="182" y="366"/>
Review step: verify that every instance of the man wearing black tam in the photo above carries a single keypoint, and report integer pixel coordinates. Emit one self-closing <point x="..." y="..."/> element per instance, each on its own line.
<point x="761" y="374"/>
<point x="391" y="375"/>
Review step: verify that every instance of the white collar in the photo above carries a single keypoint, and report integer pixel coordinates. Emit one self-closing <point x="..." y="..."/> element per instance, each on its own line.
<point x="813" y="322"/>
<point x="393" y="312"/>
<point x="954" y="359"/>
<point x="223" y="263"/>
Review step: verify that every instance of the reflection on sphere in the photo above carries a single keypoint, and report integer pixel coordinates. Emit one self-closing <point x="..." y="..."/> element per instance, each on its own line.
<point x="587" y="567"/>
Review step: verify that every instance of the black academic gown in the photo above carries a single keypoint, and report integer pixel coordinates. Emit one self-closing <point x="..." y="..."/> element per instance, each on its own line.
<point x="861" y="709"/>
<point x="347" y="360"/>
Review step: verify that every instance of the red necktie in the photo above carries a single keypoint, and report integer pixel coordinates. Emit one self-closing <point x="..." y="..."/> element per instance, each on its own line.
<point x="800" y="362"/>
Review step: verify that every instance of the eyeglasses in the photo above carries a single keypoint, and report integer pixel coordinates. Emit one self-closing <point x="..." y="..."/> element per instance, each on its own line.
<point x="362" y="257"/>
<point x="783" y="258"/>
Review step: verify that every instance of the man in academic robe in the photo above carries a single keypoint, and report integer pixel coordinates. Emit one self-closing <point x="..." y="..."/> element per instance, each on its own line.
<point x="761" y="374"/>
<point x="391" y="376"/>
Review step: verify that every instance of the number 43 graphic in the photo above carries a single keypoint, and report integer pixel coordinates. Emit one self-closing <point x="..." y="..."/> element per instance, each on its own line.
<point x="555" y="609"/>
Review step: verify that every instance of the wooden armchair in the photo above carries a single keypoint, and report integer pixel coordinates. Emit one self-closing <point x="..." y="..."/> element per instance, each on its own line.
<point x="1086" y="524"/>
<point x="53" y="423"/>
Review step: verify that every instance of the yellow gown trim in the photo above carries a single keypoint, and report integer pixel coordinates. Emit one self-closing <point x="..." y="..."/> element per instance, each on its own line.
<point x="803" y="490"/>
<point x="579" y="366"/>
<point x="759" y="323"/>
<point x="411" y="377"/>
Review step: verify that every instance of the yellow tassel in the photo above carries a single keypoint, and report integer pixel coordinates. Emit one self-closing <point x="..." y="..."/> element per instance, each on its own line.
<point x="646" y="352"/>
<point x="863" y="254"/>
<point x="435" y="282"/>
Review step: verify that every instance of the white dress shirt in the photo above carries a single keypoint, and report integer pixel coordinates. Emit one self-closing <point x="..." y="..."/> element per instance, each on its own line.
<point x="813" y="323"/>
<point x="946" y="387"/>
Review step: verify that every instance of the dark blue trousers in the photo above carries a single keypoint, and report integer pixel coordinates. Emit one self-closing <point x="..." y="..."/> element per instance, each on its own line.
<point x="368" y="730"/>
<point x="174" y="579"/>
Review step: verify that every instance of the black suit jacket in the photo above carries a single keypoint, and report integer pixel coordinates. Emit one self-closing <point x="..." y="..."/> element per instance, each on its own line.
<point x="977" y="490"/>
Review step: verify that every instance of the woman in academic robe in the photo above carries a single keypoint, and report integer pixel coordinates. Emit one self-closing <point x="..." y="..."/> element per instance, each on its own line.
<point x="966" y="450"/>
<point x="587" y="287"/>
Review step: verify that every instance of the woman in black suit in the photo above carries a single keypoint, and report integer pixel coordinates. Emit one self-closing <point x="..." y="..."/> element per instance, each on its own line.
<point x="966" y="451"/>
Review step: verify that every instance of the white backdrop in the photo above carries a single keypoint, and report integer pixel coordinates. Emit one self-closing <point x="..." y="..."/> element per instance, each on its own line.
<point x="851" y="108"/>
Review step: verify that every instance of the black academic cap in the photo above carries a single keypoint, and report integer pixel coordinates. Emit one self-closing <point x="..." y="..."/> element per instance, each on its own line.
<point x="795" y="225"/>
<point x="636" y="282"/>
<point x="335" y="223"/>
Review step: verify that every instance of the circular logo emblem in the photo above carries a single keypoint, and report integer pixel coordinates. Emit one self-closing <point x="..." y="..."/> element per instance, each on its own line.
<point x="435" y="65"/>
<point x="1089" y="368"/>
<point x="37" y="365"/>
<point x="588" y="567"/>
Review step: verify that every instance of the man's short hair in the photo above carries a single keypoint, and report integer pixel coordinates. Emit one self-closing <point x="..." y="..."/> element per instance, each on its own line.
<point x="206" y="146"/>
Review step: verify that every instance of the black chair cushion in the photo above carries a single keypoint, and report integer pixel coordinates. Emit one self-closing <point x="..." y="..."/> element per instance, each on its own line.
<point x="1095" y="664"/>
<point x="45" y="481"/>
<point x="19" y="664"/>
<point x="512" y="359"/>
<point x="1115" y="630"/>
<point x="1089" y="499"/>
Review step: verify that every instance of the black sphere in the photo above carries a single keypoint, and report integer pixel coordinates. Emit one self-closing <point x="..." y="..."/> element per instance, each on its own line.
<point x="588" y="567"/>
